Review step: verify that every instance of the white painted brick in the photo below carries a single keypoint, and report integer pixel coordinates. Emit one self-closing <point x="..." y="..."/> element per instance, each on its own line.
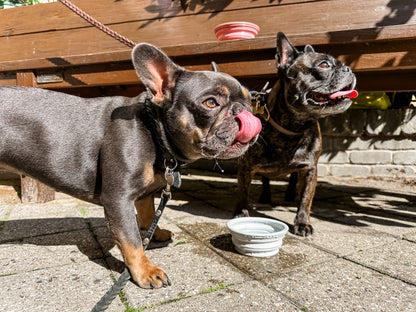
<point x="404" y="158"/>
<point x="392" y="170"/>
<point x="409" y="122"/>
<point x="335" y="125"/>
<point x="350" y="170"/>
<point x="387" y="122"/>
<point x="323" y="170"/>
<point x="370" y="157"/>
<point x="334" y="158"/>
<point x="352" y="143"/>
<point x="394" y="144"/>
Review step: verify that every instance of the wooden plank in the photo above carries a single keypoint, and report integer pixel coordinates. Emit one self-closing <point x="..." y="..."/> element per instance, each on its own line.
<point x="176" y="31"/>
<point x="398" y="81"/>
<point x="55" y="16"/>
<point x="7" y="79"/>
<point x="31" y="189"/>
<point x="341" y="39"/>
<point x="253" y="65"/>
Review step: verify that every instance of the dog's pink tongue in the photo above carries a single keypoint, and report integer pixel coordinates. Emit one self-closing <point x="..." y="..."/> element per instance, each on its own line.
<point x="351" y="93"/>
<point x="250" y="126"/>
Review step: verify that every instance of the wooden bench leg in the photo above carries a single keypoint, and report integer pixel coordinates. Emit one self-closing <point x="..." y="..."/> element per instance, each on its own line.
<point x="33" y="191"/>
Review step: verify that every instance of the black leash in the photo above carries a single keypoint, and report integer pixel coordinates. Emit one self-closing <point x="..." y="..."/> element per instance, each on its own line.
<point x="118" y="286"/>
<point x="173" y="178"/>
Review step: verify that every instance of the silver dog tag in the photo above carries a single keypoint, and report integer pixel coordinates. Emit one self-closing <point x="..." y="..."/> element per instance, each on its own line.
<point x="169" y="176"/>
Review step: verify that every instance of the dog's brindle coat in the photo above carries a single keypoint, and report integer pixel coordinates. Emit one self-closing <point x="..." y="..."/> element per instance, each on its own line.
<point x="296" y="101"/>
<point x="101" y="149"/>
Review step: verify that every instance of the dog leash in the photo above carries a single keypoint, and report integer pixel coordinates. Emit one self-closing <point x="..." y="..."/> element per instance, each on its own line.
<point x="172" y="175"/>
<point x="173" y="178"/>
<point x="125" y="276"/>
<point x="97" y="24"/>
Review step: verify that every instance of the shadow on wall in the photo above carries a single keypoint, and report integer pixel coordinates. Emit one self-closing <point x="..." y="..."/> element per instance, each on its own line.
<point x="373" y="125"/>
<point x="401" y="12"/>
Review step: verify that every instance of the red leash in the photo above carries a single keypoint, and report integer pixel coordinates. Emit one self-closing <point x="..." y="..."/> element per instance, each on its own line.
<point x="97" y="24"/>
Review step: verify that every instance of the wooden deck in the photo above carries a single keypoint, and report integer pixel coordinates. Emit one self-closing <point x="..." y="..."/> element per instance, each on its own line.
<point x="375" y="38"/>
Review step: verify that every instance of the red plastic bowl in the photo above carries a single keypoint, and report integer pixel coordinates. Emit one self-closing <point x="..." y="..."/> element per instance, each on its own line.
<point x="236" y="30"/>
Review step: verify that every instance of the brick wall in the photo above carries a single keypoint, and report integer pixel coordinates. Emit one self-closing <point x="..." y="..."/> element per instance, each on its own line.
<point x="369" y="143"/>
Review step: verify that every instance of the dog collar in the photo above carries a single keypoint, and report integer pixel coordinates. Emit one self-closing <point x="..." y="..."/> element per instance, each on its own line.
<point x="259" y="106"/>
<point x="170" y="163"/>
<point x="281" y="129"/>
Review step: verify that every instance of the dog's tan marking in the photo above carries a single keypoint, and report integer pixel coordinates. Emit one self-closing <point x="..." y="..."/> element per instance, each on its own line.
<point x="143" y="271"/>
<point x="148" y="174"/>
<point x="223" y="90"/>
<point x="183" y="121"/>
<point x="145" y="213"/>
<point x="246" y="93"/>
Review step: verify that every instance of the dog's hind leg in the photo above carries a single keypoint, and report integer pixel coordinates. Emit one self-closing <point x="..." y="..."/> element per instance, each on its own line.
<point x="290" y="194"/>
<point x="145" y="213"/>
<point x="244" y="180"/>
<point x="266" y="195"/>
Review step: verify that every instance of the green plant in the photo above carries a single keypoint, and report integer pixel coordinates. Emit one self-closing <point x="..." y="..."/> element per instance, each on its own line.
<point x="21" y="2"/>
<point x="83" y="212"/>
<point x="182" y="241"/>
<point x="215" y="288"/>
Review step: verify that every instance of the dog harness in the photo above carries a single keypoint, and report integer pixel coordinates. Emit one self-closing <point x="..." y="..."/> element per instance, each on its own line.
<point x="259" y="106"/>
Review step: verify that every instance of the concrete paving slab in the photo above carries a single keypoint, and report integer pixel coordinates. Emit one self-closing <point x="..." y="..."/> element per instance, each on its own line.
<point x="41" y="219"/>
<point x="19" y="258"/>
<point x="192" y="268"/>
<point x="380" y="223"/>
<point x="396" y="258"/>
<point x="5" y="210"/>
<point x="342" y="239"/>
<point x="68" y="288"/>
<point x="341" y="285"/>
<point x="77" y="246"/>
<point x="236" y="297"/>
<point x="292" y="254"/>
<point x="335" y="237"/>
<point x="195" y="211"/>
<point x="410" y="236"/>
<point x="355" y="261"/>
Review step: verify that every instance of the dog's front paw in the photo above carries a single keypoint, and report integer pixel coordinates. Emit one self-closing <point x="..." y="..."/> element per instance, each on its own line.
<point x="241" y="213"/>
<point x="150" y="276"/>
<point x="303" y="229"/>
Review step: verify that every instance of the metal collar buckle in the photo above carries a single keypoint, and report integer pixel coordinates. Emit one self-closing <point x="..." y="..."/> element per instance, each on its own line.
<point x="259" y="102"/>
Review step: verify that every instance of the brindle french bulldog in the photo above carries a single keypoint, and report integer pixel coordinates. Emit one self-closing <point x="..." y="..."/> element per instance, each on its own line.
<point x="310" y="86"/>
<point x="111" y="150"/>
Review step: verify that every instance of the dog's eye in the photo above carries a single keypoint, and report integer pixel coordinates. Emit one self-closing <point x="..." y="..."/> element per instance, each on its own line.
<point x="210" y="103"/>
<point x="324" y="64"/>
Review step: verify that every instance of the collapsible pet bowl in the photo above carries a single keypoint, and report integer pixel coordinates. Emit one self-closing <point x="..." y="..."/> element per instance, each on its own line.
<point x="236" y="30"/>
<point x="257" y="237"/>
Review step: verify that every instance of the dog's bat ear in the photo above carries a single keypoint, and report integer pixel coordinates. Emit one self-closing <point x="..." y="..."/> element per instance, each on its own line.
<point x="309" y="49"/>
<point x="285" y="51"/>
<point x="214" y="67"/>
<point x="156" y="71"/>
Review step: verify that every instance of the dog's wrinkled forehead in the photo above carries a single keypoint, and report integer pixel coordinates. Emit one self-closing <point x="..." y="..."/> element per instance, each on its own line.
<point x="208" y="83"/>
<point x="313" y="62"/>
